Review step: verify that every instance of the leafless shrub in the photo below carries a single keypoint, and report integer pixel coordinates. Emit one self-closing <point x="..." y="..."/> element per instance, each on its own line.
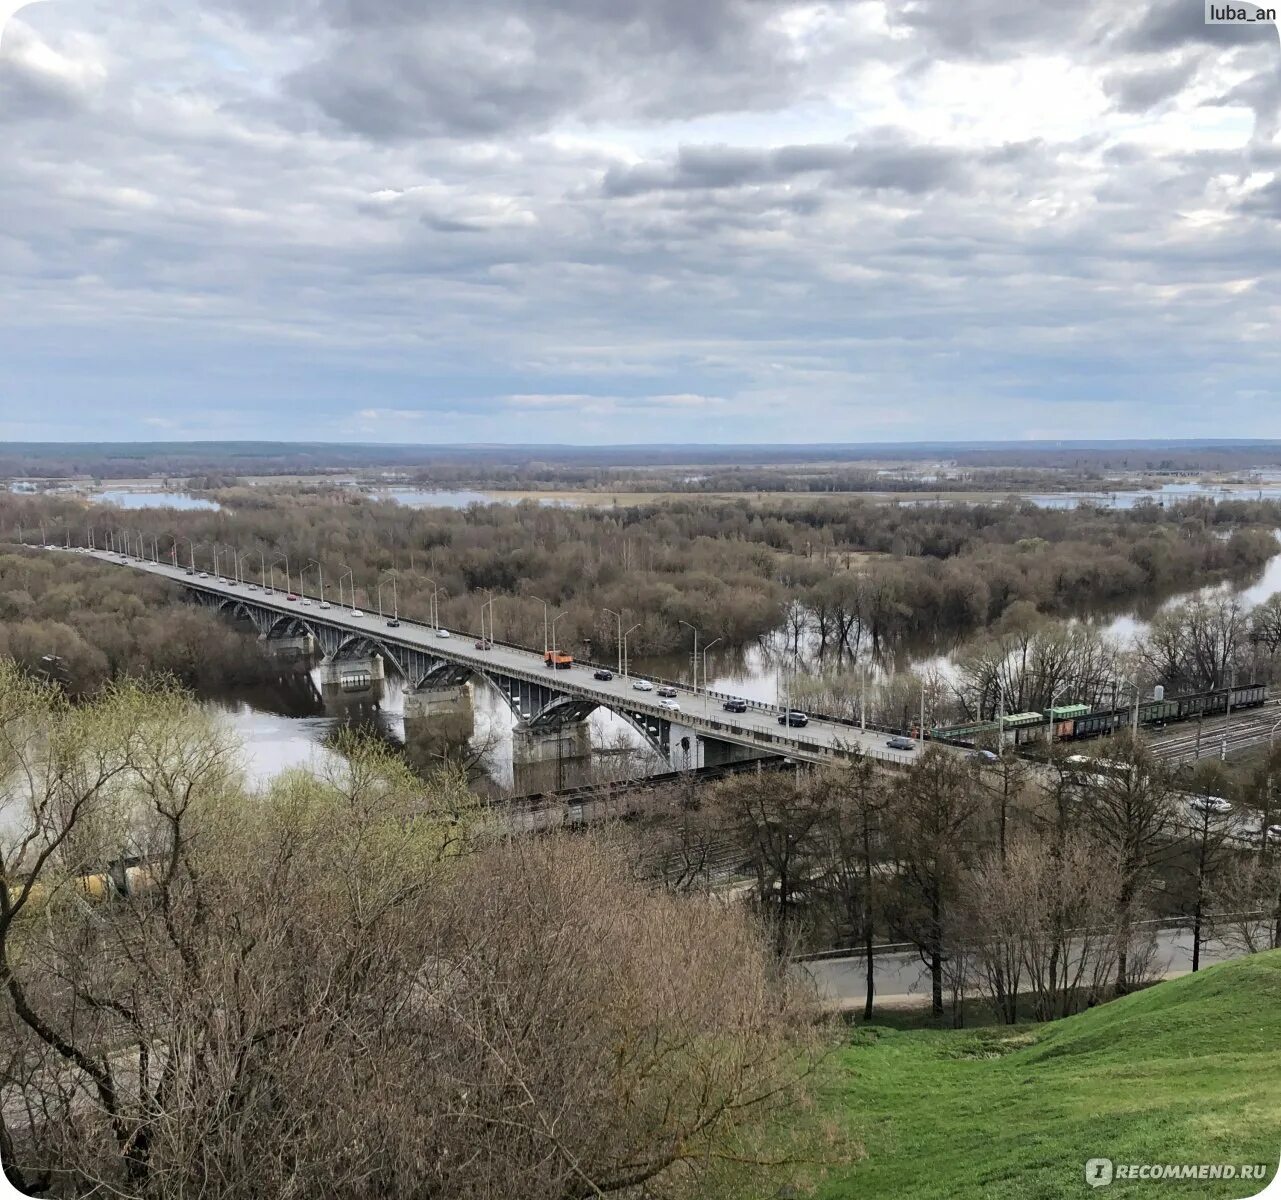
<point x="341" y="986"/>
<point x="1041" y="924"/>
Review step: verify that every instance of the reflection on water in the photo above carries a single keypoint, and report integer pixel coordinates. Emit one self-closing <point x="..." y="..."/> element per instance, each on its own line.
<point x="1167" y="493"/>
<point x="1250" y="592"/>
<point x="153" y="500"/>
<point x="273" y="743"/>
<point x="442" y="498"/>
<point x="760" y="671"/>
<point x="284" y="722"/>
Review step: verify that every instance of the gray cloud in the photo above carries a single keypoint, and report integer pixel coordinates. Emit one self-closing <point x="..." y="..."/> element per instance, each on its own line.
<point x="394" y="70"/>
<point x="1138" y="91"/>
<point x="992" y="29"/>
<point x="265" y="219"/>
<point x="1173" y="24"/>
<point x="902" y="167"/>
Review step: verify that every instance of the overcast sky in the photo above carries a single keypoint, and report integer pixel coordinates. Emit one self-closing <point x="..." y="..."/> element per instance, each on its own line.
<point x="637" y="220"/>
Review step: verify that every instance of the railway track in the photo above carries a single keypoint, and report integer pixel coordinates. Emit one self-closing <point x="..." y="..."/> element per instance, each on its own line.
<point x="1216" y="736"/>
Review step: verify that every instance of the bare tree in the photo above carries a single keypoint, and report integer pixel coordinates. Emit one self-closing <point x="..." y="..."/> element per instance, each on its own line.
<point x="1242" y="903"/>
<point x="780" y="821"/>
<point x="1043" y="919"/>
<point x="852" y="858"/>
<point x="1129" y="808"/>
<point x="1004" y="780"/>
<point x="1209" y="829"/>
<point x="934" y="813"/>
<point x="345" y="984"/>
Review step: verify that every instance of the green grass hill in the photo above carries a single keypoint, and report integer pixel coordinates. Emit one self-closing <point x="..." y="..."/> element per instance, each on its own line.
<point x="1188" y="1071"/>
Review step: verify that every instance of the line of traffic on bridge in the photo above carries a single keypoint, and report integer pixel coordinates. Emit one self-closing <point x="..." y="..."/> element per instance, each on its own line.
<point x="521" y="673"/>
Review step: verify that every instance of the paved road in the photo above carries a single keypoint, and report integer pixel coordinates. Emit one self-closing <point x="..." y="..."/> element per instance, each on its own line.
<point x="700" y="712"/>
<point x="902" y="979"/>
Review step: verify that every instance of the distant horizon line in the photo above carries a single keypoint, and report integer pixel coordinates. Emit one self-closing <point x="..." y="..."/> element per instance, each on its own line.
<point x="1066" y="443"/>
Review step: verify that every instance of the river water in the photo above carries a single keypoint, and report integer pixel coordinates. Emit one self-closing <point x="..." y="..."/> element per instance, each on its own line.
<point x="286" y="725"/>
<point x="458" y="498"/>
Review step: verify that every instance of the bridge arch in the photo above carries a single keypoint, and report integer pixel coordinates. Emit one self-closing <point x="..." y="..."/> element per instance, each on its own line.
<point x="564" y="708"/>
<point x="540" y="704"/>
<point x="288" y="625"/>
<point x="236" y="608"/>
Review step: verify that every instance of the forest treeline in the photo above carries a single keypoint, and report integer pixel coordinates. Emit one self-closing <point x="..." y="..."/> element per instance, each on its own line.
<point x="872" y="576"/>
<point x="710" y="479"/>
<point x="134" y="460"/>
<point x="106" y="625"/>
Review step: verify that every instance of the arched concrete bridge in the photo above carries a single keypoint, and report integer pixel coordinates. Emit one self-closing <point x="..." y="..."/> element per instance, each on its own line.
<point x="543" y="700"/>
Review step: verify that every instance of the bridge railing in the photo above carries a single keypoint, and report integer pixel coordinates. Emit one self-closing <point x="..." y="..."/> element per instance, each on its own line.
<point x="567" y="683"/>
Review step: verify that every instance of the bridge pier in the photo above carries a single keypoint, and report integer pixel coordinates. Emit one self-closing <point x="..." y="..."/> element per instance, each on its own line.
<point x="718" y="753"/>
<point x="299" y="646"/>
<point x="551" y="759"/>
<point x="351" y="683"/>
<point x="570" y="740"/>
<point x="439" y="714"/>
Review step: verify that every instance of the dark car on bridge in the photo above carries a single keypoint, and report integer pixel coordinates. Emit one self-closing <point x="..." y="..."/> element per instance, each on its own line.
<point x="733" y="704"/>
<point x="667" y="691"/>
<point x="797" y="719"/>
<point x="901" y="743"/>
<point x="603" y="676"/>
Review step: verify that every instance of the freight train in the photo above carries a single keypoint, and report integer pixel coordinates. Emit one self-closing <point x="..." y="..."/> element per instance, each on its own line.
<point x="1075" y="722"/>
<point x="1176" y="708"/>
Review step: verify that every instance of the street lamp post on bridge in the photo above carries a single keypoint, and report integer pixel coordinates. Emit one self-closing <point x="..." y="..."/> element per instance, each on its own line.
<point x="546" y="641"/>
<point x="705" y="650"/>
<point x="626" y="660"/>
<point x="395" y="604"/>
<point x="695" y="668"/>
<point x="320" y="572"/>
<point x="619" y="617"/>
<point x="436" y="589"/>
<point x="347" y="574"/>
<point x="271" y="569"/>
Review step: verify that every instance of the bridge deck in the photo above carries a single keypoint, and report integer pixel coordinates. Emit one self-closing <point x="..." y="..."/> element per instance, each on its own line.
<point x="700" y="712"/>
